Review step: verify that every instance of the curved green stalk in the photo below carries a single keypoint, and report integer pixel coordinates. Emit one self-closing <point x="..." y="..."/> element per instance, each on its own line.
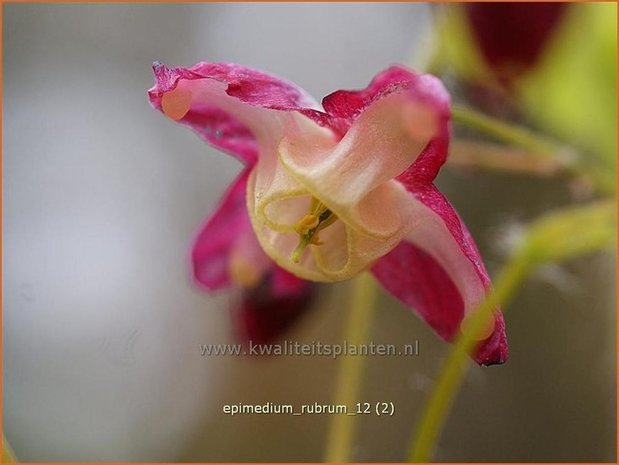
<point x="450" y="379"/>
<point x="540" y="147"/>
<point x="555" y="237"/>
<point x="340" y="436"/>
<point x="508" y="132"/>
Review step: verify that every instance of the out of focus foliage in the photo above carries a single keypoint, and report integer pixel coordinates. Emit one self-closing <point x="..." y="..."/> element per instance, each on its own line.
<point x="566" y="87"/>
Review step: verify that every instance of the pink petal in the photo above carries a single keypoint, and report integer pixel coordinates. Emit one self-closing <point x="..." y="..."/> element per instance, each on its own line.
<point x="272" y="307"/>
<point x="346" y="105"/>
<point x="223" y="131"/>
<point x="428" y="163"/>
<point x="212" y="248"/>
<point x="272" y="304"/>
<point x="438" y="272"/>
<point x="224" y="124"/>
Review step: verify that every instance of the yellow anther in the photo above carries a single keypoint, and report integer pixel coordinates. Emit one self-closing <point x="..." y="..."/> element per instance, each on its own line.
<point x="308" y="227"/>
<point x="306" y="224"/>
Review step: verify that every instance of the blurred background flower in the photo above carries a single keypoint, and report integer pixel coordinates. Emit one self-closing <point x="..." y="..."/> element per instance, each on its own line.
<point x="553" y="64"/>
<point x="512" y="36"/>
<point x="102" y="324"/>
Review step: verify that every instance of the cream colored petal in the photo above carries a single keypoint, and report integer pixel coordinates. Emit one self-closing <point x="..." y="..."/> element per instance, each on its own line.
<point x="344" y="251"/>
<point x="282" y="201"/>
<point x="283" y="213"/>
<point x="381" y="144"/>
<point x="333" y="256"/>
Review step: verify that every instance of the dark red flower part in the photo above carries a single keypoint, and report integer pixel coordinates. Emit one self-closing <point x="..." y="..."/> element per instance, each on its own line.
<point x="512" y="36"/>
<point x="269" y="309"/>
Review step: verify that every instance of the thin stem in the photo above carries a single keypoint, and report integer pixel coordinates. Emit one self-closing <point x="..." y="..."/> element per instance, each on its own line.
<point x="553" y="238"/>
<point x="507" y="132"/>
<point x="540" y="147"/>
<point x="450" y="378"/>
<point x="300" y="248"/>
<point x="492" y="156"/>
<point x="347" y="388"/>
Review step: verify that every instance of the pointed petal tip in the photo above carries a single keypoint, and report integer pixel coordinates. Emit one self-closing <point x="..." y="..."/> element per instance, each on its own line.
<point x="159" y="68"/>
<point x="494" y="351"/>
<point x="499" y="358"/>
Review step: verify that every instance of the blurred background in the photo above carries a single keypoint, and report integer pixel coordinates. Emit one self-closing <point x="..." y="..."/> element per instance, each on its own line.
<point x="102" y="195"/>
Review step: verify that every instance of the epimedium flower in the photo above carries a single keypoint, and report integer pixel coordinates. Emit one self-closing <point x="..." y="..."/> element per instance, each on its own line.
<point x="329" y="192"/>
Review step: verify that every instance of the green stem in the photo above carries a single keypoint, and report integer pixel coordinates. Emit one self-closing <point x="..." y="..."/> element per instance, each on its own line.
<point x="541" y="147"/>
<point x="298" y="250"/>
<point x="499" y="157"/>
<point x="505" y="132"/>
<point x="553" y="238"/>
<point x="450" y="379"/>
<point x="347" y="388"/>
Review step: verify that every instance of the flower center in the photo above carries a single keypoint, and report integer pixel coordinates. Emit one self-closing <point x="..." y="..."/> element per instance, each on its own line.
<point x="308" y="227"/>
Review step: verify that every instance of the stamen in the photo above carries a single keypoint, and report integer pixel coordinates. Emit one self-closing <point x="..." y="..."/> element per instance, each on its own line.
<point x="308" y="227"/>
<point x="307" y="223"/>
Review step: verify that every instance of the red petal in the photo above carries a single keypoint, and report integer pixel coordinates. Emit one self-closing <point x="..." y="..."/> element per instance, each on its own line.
<point x="439" y="273"/>
<point x="428" y="163"/>
<point x="347" y="105"/>
<point x="216" y="124"/>
<point x="212" y="247"/>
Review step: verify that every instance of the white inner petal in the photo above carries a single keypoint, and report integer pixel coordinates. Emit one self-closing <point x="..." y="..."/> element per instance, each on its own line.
<point x="351" y="177"/>
<point x="284" y="212"/>
<point x="343" y="252"/>
<point x="333" y="255"/>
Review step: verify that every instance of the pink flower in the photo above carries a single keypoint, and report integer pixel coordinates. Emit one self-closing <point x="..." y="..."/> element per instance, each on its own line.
<point x="328" y="193"/>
